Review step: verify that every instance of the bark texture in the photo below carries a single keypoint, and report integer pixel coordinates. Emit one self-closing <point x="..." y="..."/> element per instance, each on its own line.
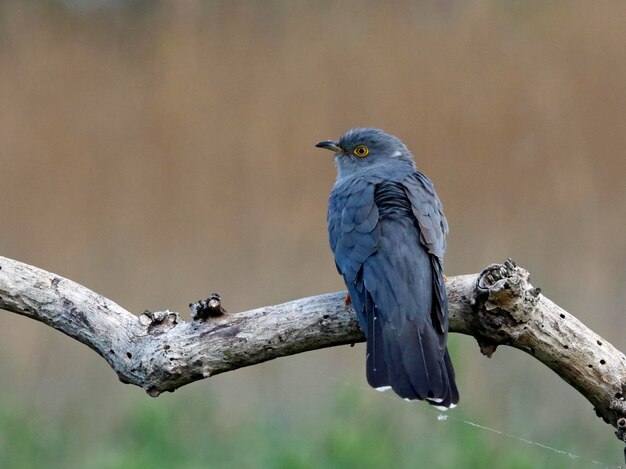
<point x="161" y="352"/>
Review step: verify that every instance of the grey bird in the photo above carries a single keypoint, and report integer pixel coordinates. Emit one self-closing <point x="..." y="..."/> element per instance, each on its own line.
<point x="388" y="232"/>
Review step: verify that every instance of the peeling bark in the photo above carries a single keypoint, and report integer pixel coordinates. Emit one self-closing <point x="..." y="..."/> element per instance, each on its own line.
<point x="161" y="352"/>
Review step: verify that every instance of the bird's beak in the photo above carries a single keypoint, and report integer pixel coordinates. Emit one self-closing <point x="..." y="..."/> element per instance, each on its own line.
<point x="330" y="145"/>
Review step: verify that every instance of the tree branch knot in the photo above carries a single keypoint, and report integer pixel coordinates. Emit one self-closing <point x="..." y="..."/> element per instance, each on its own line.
<point x="159" y="322"/>
<point x="506" y="287"/>
<point x="504" y="300"/>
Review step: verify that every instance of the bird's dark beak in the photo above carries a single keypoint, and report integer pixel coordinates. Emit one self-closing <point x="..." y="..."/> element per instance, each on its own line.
<point x="330" y="145"/>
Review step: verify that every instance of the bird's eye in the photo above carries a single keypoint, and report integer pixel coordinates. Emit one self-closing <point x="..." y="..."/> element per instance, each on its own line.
<point x="361" y="151"/>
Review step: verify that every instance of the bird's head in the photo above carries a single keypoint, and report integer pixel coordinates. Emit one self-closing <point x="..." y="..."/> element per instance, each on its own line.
<point x="361" y="150"/>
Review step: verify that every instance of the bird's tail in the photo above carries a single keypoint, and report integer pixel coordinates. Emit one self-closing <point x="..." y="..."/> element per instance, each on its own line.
<point x="451" y="397"/>
<point x="410" y="360"/>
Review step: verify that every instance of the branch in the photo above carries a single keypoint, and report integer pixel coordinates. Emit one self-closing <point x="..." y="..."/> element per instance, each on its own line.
<point x="161" y="352"/>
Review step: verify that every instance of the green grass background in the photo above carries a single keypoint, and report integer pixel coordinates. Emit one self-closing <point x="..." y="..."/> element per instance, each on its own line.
<point x="349" y="432"/>
<point x="347" y="425"/>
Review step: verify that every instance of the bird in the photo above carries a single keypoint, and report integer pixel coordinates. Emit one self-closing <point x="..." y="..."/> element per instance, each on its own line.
<point x="387" y="232"/>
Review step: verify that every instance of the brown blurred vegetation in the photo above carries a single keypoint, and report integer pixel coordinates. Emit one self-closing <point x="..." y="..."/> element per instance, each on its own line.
<point x="162" y="152"/>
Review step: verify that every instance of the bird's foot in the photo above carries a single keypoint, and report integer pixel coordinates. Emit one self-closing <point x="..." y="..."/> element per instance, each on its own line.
<point x="348" y="301"/>
<point x="209" y="308"/>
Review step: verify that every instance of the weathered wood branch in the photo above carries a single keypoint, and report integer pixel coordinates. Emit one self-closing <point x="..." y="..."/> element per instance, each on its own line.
<point x="161" y="352"/>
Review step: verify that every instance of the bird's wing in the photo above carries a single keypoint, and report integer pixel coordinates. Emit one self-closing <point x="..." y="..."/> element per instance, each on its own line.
<point x="353" y="226"/>
<point x="428" y="211"/>
<point x="433" y="227"/>
<point x="354" y="235"/>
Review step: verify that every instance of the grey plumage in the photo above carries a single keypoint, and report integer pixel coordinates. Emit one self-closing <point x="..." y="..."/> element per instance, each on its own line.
<point x="387" y="232"/>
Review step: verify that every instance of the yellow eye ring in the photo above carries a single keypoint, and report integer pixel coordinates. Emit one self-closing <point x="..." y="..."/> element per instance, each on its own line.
<point x="361" y="151"/>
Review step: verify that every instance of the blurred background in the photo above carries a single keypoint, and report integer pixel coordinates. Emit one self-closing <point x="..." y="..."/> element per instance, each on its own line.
<point x="159" y="151"/>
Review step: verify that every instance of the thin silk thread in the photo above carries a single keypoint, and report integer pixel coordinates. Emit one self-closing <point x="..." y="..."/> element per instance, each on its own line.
<point x="445" y="417"/>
